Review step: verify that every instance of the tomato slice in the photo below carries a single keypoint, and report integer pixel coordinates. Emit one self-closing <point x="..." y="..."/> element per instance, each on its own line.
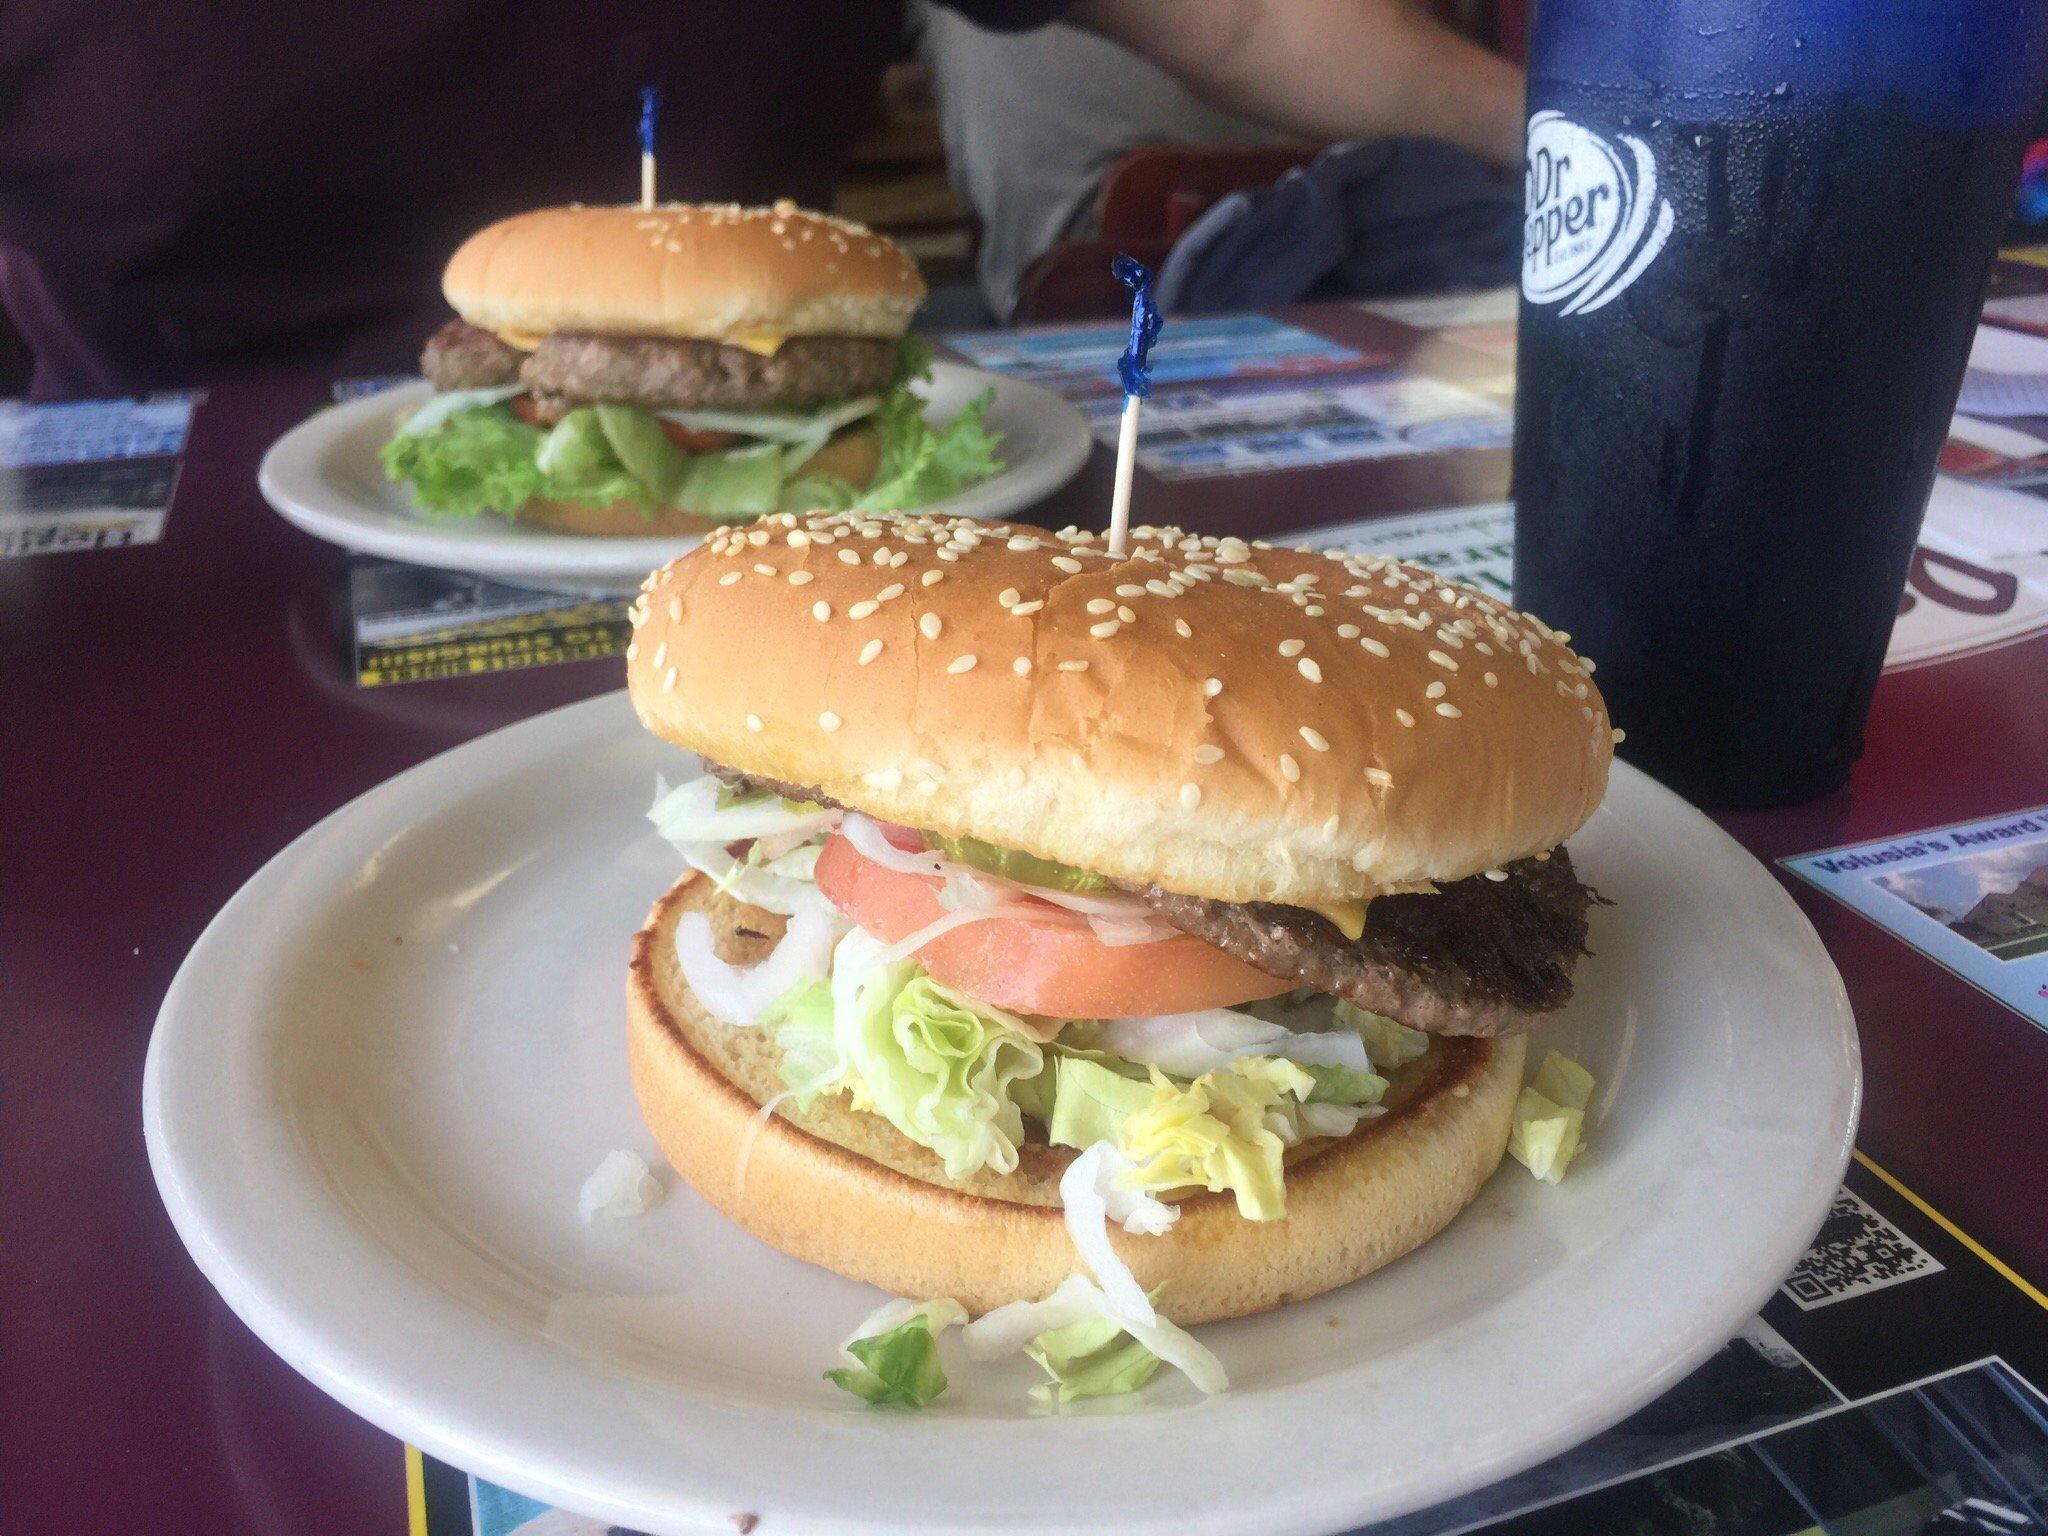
<point x="691" y="441"/>
<point x="1046" y="965"/>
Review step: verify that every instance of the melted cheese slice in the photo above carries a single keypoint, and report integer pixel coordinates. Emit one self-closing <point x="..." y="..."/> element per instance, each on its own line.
<point x="763" y="343"/>
<point x="1347" y="917"/>
<point x="766" y="343"/>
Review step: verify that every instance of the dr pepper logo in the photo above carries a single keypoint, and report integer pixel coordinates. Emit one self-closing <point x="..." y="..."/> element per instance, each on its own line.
<point x="1593" y="218"/>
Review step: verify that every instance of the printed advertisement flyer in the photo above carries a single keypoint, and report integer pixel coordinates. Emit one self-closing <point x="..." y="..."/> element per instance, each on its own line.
<point x="1244" y="394"/>
<point x="1892" y="1387"/>
<point x="88" y="474"/>
<point x="1978" y="578"/>
<point x="1972" y="898"/>
<point x="411" y="625"/>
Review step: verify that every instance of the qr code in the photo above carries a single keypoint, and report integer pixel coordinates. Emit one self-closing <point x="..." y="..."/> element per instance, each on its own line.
<point x="1857" y="1251"/>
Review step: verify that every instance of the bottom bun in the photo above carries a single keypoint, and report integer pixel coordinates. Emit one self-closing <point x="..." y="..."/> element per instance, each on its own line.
<point x="852" y="456"/>
<point x="843" y="1188"/>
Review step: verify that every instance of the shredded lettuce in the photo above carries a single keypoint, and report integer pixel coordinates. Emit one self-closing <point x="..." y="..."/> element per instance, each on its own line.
<point x="1021" y="1324"/>
<point x="478" y="460"/>
<point x="933" y="1063"/>
<point x="1550" y="1118"/>
<point x="802" y="1026"/>
<point x="1093" y="1357"/>
<point x="1218" y="1132"/>
<point x="466" y="452"/>
<point x="920" y="463"/>
<point x="897" y="1368"/>
<point x="1390" y="1044"/>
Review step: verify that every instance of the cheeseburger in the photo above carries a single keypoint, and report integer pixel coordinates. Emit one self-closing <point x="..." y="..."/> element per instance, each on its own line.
<point x="633" y="370"/>
<point x="1174" y="917"/>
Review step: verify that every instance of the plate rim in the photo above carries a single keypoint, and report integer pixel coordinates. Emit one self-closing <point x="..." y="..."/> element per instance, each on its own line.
<point x="553" y="1477"/>
<point x="284" y="478"/>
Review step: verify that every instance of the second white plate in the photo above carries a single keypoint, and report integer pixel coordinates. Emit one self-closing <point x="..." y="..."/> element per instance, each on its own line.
<point x="323" y="476"/>
<point x="385" y="1070"/>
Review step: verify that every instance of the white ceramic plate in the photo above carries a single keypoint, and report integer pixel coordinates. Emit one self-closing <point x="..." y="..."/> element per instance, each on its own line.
<point x="323" y="475"/>
<point x="385" y="1070"/>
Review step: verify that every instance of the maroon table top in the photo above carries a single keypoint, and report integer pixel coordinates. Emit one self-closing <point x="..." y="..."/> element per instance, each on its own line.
<point x="177" y="712"/>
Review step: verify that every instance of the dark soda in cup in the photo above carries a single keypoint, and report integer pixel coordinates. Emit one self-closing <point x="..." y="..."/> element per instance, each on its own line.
<point x="1757" y="236"/>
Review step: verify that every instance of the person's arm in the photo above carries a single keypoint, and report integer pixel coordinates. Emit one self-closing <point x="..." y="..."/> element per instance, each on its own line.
<point x="1327" y="69"/>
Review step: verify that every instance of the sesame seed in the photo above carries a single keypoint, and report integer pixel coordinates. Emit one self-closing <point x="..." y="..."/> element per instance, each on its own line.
<point x="1208" y="752"/>
<point x="1009" y="597"/>
<point x="1162" y="589"/>
<point x="1347" y="631"/>
<point x="1490" y="680"/>
<point x="821" y="611"/>
<point x="632" y="649"/>
<point x="1378" y="776"/>
<point x="870" y="651"/>
<point x="799" y="578"/>
<point x="1019" y="543"/>
<point x="1309" y="669"/>
<point x="1021" y="666"/>
<point x="661" y="653"/>
<point x="883" y="778"/>
<point x="798" y="539"/>
<point x="890" y="593"/>
<point x="929" y="626"/>
<point x="961" y="663"/>
<point x="1434" y="691"/>
<point x="1449" y="711"/>
<point x="668" y="681"/>
<point x="1443" y="661"/>
<point x="1190" y="796"/>
<point x="850" y="556"/>
<point x="1105" y="629"/>
<point x="1100" y="605"/>
<point x="1377" y="647"/>
<point x="1073" y="666"/>
<point x="1618" y="735"/>
<point x="754" y="722"/>
<point x="1068" y="564"/>
<point x="1129" y="589"/>
<point x="675" y="610"/>
<point x="828" y="721"/>
<point x="757" y="537"/>
<point x="1023" y="610"/>
<point x="1211" y="687"/>
<point x="730" y="577"/>
<point x="863" y="608"/>
<point x="898" y="560"/>
<point x="1292" y="647"/>
<point x="1180" y="627"/>
<point x="1315" y="738"/>
<point x="1404" y="717"/>
<point x="1290" y="770"/>
<point x="931" y="578"/>
<point x="1125" y="615"/>
<point x="762" y="568"/>
<point x="880" y="557"/>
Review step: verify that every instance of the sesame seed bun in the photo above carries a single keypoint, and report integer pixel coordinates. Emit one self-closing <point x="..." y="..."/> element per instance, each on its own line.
<point x="704" y="272"/>
<point x="1224" y="720"/>
<point x="823" y="1184"/>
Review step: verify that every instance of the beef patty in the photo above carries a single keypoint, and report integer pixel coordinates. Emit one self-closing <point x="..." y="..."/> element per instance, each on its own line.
<point x="572" y="368"/>
<point x="1476" y="957"/>
<point x="465" y="356"/>
<point x="663" y="372"/>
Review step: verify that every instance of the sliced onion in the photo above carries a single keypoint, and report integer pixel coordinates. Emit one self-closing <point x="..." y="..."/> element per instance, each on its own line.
<point x="941" y="1313"/>
<point x="912" y="942"/>
<point x="1085" y="1192"/>
<point x="1010" y="1328"/>
<point x="1189" y="1044"/>
<point x="872" y="843"/>
<point x="739" y="997"/>
<point x="690" y="813"/>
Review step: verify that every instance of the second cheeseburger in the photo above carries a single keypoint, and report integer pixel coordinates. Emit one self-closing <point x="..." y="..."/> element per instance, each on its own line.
<point x="1177" y="913"/>
<point x="622" y="370"/>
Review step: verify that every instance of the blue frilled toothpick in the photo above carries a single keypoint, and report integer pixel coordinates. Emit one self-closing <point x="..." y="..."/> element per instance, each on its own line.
<point x="650" y="114"/>
<point x="1136" y="375"/>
